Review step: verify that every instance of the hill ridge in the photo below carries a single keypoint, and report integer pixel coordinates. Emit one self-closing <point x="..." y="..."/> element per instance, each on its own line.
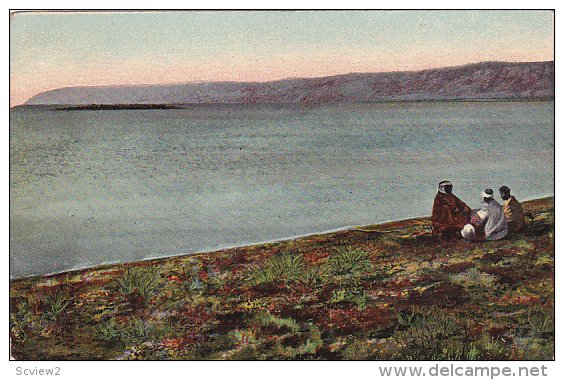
<point x="484" y="80"/>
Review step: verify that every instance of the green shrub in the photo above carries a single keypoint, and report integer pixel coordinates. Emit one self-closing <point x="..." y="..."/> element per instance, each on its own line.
<point x="338" y="295"/>
<point x="109" y="331"/>
<point x="267" y="319"/>
<point x="137" y="331"/>
<point x="20" y="321"/>
<point x="491" y="348"/>
<point x="541" y="322"/>
<point x="360" y="300"/>
<point x="132" y="332"/>
<point x="430" y="334"/>
<point x="354" y="295"/>
<point x="314" y="277"/>
<point x="55" y="305"/>
<point x="349" y="261"/>
<point x="141" y="280"/>
<point x="285" y="268"/>
<point x="406" y="318"/>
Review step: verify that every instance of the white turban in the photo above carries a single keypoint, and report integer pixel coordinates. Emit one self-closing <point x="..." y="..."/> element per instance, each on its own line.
<point x="442" y="185"/>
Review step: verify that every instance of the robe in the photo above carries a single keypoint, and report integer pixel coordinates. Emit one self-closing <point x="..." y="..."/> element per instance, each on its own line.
<point x="492" y="219"/>
<point x="449" y="213"/>
<point x="514" y="214"/>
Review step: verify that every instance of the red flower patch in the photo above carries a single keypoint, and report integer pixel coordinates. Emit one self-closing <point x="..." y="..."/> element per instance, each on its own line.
<point x="315" y="257"/>
<point x="352" y="320"/>
<point x="174" y="343"/>
<point x="175" y="279"/>
<point x="203" y="275"/>
<point x="509" y="299"/>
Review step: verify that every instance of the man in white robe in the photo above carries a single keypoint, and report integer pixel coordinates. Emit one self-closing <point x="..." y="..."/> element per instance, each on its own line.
<point x="490" y="219"/>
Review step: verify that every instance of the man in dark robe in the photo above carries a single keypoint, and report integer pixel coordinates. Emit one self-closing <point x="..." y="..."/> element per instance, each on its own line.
<point x="512" y="210"/>
<point x="450" y="214"/>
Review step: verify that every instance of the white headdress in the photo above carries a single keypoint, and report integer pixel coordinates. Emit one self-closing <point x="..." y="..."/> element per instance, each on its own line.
<point x="442" y="185"/>
<point x="488" y="193"/>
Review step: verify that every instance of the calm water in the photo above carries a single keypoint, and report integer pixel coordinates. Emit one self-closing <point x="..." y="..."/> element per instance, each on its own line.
<point x="92" y="187"/>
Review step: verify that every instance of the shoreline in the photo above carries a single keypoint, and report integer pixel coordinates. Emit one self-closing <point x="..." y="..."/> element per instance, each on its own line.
<point x="259" y="244"/>
<point x="267" y="244"/>
<point x="345" y="295"/>
<point x="180" y="106"/>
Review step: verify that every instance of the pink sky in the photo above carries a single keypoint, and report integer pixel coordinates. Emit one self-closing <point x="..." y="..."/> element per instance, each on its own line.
<point x="49" y="52"/>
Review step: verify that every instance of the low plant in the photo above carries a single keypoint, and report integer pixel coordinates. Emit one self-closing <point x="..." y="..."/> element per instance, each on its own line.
<point x="349" y="261"/>
<point x="314" y="277"/>
<point x="313" y="342"/>
<point x="338" y="295"/>
<point x="109" y="331"/>
<point x="428" y="334"/>
<point x="491" y="348"/>
<point x="284" y="268"/>
<point x="140" y="280"/>
<point x="55" y="304"/>
<point x="406" y="318"/>
<point x="357" y="296"/>
<point x="474" y="278"/>
<point x="243" y="338"/>
<point x="132" y="332"/>
<point x="267" y="319"/>
<point x="137" y="331"/>
<point x="20" y="322"/>
<point x="541" y="322"/>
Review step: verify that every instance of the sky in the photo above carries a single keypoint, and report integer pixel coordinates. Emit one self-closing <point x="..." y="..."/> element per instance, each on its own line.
<point x="51" y="50"/>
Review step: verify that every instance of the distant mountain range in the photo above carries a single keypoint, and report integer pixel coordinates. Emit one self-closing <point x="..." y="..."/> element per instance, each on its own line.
<point x="486" y="80"/>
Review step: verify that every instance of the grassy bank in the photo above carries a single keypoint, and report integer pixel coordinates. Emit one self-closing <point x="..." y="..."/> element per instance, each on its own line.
<point x="343" y="295"/>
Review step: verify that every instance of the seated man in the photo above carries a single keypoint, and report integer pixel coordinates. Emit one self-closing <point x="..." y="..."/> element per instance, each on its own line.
<point x="512" y="210"/>
<point x="488" y="223"/>
<point x="450" y="214"/>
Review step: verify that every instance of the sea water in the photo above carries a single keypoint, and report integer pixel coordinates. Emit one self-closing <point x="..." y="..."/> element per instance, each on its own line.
<point x="94" y="187"/>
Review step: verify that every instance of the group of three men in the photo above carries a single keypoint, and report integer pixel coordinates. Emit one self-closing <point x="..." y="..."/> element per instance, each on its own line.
<point x="452" y="217"/>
